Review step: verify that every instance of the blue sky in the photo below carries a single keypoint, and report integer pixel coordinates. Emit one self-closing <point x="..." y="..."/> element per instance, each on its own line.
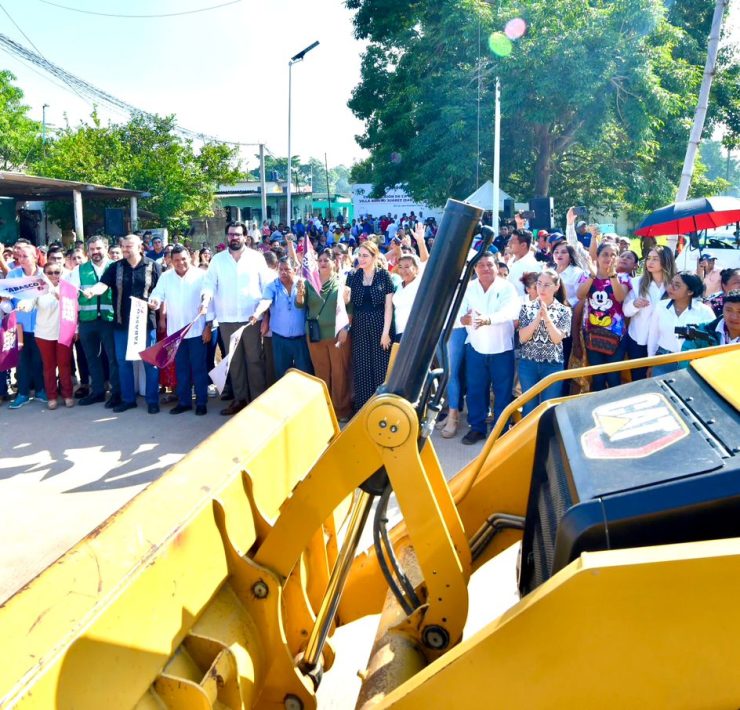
<point x="223" y="72"/>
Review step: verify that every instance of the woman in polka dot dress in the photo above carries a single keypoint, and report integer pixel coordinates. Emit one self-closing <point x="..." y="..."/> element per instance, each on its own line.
<point x="372" y="303"/>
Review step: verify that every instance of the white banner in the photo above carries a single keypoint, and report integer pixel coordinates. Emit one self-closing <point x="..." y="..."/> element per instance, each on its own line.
<point x="137" y="327"/>
<point x="219" y="373"/>
<point x="23" y="287"/>
<point x="341" y="319"/>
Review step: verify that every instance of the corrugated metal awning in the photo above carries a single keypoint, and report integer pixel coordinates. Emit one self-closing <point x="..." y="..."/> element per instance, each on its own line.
<point x="33" y="187"/>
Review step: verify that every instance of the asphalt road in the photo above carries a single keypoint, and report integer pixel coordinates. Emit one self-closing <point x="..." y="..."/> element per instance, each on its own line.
<point x="64" y="472"/>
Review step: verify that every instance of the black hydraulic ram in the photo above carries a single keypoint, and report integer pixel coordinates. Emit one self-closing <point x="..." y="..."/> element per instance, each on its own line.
<point x="433" y="300"/>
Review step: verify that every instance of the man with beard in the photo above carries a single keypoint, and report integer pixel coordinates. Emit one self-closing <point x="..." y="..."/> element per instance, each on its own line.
<point x="96" y="324"/>
<point x="235" y="281"/>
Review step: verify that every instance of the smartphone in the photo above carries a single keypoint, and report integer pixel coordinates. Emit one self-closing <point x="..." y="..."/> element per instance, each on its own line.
<point x="580" y="211"/>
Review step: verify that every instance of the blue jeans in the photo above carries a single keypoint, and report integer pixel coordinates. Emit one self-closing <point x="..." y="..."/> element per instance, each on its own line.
<point x="530" y="373"/>
<point x="126" y="369"/>
<point x="211" y="350"/>
<point x="634" y="352"/>
<point x="660" y="370"/>
<point x="190" y="370"/>
<point x="456" y="355"/>
<point x="30" y="370"/>
<point x="481" y="373"/>
<point x="290" y="352"/>
<point x="613" y="379"/>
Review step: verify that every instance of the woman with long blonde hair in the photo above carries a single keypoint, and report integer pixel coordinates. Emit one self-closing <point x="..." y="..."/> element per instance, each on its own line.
<point x="371" y="289"/>
<point x="646" y="292"/>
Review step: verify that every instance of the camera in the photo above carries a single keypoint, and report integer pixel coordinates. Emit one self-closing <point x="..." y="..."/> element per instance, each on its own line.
<point x="692" y="333"/>
<point x="527" y="214"/>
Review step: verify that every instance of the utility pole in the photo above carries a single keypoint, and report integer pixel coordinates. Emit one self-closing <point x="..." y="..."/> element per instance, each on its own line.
<point x="43" y="128"/>
<point x="263" y="189"/>
<point x="328" y="196"/>
<point x="701" y="109"/>
<point x="43" y="152"/>
<point x="496" y="156"/>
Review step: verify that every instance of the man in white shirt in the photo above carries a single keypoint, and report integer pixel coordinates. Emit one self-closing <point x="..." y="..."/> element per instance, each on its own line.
<point x="490" y="307"/>
<point x="524" y="261"/>
<point x="234" y="282"/>
<point x="179" y="290"/>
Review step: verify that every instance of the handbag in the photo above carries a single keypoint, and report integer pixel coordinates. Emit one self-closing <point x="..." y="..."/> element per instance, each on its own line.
<point x="601" y="340"/>
<point x="314" y="331"/>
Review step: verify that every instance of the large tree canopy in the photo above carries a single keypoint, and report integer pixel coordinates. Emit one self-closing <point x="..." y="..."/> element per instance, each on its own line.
<point x="597" y="96"/>
<point x="20" y="137"/>
<point x="147" y="154"/>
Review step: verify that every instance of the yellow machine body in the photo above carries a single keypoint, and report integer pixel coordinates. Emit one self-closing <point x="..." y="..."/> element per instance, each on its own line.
<point x="203" y="591"/>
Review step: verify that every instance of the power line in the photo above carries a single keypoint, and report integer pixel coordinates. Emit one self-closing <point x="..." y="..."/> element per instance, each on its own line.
<point x="169" y="14"/>
<point x="18" y="27"/>
<point x="84" y="89"/>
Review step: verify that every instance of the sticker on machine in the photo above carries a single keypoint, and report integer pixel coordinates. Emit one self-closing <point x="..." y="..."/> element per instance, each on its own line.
<point x="633" y="428"/>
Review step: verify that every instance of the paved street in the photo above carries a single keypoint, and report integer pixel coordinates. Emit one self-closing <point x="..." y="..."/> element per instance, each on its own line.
<point x="64" y="472"/>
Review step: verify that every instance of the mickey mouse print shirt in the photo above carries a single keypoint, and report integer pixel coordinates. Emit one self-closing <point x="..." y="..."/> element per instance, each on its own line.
<point x="601" y="309"/>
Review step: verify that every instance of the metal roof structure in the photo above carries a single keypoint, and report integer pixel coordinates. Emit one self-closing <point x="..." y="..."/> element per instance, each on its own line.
<point x="33" y="187"/>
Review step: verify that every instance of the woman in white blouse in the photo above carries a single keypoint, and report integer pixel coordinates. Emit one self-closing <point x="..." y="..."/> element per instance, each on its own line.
<point x="684" y="308"/>
<point x="410" y="268"/>
<point x="646" y="293"/>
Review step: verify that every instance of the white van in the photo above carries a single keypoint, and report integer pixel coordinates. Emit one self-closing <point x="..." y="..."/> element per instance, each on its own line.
<point x="722" y="243"/>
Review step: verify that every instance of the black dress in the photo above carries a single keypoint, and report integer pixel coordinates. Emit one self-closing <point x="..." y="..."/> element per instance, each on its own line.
<point x="369" y="359"/>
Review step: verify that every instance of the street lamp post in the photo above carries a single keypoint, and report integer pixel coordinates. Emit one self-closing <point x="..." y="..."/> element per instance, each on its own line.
<point x="293" y="60"/>
<point x="43" y="128"/>
<point x="43" y="153"/>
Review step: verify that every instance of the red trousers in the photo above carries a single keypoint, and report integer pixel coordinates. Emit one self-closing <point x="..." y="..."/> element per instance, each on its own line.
<point x="56" y="356"/>
<point x="331" y="364"/>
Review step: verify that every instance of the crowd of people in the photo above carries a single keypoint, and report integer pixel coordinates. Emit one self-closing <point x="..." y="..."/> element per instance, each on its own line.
<point x="539" y="303"/>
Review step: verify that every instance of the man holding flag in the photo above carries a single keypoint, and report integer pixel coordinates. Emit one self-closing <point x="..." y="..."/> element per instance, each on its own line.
<point x="179" y="290"/>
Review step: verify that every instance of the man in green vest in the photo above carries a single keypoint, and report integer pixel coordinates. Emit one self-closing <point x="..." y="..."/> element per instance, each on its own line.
<point x="96" y="324"/>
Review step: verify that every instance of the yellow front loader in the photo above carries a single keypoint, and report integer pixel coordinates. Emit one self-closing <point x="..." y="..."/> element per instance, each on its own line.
<point x="223" y="583"/>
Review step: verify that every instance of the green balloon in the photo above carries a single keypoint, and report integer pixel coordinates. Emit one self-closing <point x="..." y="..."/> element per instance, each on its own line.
<point x="500" y="44"/>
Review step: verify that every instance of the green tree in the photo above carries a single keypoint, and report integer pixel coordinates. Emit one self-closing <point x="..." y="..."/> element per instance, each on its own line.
<point x="596" y="96"/>
<point x="311" y="172"/>
<point x="721" y="163"/>
<point x="20" y="137"/>
<point x="147" y="154"/>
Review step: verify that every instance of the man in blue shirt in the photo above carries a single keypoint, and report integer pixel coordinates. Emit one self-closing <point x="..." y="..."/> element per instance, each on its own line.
<point x="287" y="321"/>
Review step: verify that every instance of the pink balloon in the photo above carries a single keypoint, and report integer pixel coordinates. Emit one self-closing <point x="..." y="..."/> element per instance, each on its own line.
<point x="515" y="28"/>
